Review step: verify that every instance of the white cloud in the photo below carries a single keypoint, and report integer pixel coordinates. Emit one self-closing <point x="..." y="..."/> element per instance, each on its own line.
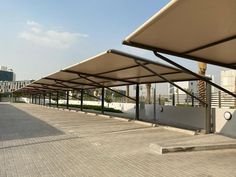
<point x="36" y="29"/>
<point x="32" y="23"/>
<point x="36" y="34"/>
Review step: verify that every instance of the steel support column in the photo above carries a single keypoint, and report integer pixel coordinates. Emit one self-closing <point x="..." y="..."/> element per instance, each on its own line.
<point x="81" y="99"/>
<point x="15" y="98"/>
<point x="67" y="99"/>
<point x="137" y="103"/>
<point x="57" y="99"/>
<point x="39" y="99"/>
<point x="50" y="96"/>
<point x="35" y="99"/>
<point x="208" y="122"/>
<point x="219" y="99"/>
<point x="32" y="98"/>
<point x="192" y="99"/>
<point x="44" y="102"/>
<point x="154" y="104"/>
<point x="103" y="98"/>
<point x="173" y="99"/>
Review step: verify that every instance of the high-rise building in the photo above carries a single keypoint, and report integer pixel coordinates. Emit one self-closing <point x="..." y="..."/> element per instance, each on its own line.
<point x="228" y="80"/>
<point x="6" y="74"/>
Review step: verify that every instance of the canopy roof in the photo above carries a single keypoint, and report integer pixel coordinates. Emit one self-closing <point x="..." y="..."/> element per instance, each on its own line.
<point x="202" y="30"/>
<point x="108" y="69"/>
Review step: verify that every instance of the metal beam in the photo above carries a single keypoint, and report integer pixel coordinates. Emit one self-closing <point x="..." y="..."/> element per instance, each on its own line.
<point x="98" y="76"/>
<point x="27" y="90"/>
<point x="70" y="82"/>
<point x="91" y="95"/>
<point x="51" y="89"/>
<point x="194" y="74"/>
<point x="74" y="88"/>
<point x="41" y="88"/>
<point x="120" y="69"/>
<point x="134" y="44"/>
<point x="78" y="89"/>
<point x="100" y="85"/>
<point x="152" y="75"/>
<point x="210" y="44"/>
<point x="167" y="80"/>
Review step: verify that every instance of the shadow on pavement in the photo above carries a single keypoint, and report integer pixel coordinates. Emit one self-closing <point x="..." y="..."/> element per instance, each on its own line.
<point x="17" y="124"/>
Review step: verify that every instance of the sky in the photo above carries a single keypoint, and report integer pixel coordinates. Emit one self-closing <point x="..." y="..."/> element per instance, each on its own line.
<point x="40" y="37"/>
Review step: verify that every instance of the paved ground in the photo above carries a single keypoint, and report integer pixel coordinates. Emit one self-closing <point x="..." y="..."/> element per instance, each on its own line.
<point x="37" y="141"/>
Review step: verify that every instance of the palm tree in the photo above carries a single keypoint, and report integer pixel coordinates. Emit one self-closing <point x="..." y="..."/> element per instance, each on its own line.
<point x="127" y="93"/>
<point x="148" y="99"/>
<point x="201" y="84"/>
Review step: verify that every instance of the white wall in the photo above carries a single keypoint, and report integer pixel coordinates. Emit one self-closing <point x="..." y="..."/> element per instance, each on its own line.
<point x="186" y="117"/>
<point x="222" y="125"/>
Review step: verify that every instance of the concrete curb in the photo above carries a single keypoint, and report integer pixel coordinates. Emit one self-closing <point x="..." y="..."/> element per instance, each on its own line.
<point x="121" y="119"/>
<point x="189" y="132"/>
<point x="144" y="123"/>
<point x="206" y="147"/>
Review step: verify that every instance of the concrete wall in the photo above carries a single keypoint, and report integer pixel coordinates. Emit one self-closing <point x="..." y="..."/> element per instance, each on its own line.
<point x="186" y="117"/>
<point x="5" y="99"/>
<point x="223" y="126"/>
<point x="124" y="107"/>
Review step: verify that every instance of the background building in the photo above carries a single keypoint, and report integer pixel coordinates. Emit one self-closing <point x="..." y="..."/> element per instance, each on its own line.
<point x="6" y="74"/>
<point x="228" y="80"/>
<point x="11" y="86"/>
<point x="7" y="81"/>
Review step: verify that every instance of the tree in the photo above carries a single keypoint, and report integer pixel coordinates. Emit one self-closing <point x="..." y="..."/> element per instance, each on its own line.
<point x="148" y="99"/>
<point x="201" y="84"/>
<point x="127" y="93"/>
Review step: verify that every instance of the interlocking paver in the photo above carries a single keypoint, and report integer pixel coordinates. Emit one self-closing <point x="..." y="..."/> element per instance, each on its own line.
<point x="76" y="144"/>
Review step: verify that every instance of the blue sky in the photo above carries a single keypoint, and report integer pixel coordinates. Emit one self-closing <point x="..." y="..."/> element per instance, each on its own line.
<point x="41" y="37"/>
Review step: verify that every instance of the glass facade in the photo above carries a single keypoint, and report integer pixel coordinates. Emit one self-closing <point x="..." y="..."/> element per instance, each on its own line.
<point x="6" y="76"/>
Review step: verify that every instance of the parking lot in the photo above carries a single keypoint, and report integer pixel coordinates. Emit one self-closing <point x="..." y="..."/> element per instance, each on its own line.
<point x="40" y="141"/>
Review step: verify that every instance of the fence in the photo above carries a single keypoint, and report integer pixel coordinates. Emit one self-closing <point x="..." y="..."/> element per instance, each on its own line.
<point x="223" y="100"/>
<point x="218" y="100"/>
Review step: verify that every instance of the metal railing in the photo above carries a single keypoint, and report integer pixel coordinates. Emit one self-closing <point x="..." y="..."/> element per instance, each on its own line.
<point x="223" y="100"/>
<point x="218" y="100"/>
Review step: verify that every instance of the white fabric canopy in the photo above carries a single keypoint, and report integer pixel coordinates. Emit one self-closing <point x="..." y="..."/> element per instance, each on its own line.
<point x="202" y="30"/>
<point x="108" y="69"/>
